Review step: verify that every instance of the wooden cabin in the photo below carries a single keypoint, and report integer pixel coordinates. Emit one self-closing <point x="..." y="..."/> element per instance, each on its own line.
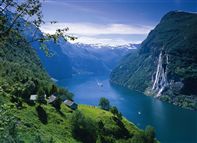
<point x="71" y="104"/>
<point x="51" y="98"/>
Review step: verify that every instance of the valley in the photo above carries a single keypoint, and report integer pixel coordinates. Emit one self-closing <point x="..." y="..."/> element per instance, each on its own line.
<point x="98" y="71"/>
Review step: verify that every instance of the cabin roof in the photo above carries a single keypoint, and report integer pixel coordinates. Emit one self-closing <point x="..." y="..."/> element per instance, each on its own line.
<point x="33" y="97"/>
<point x="69" y="102"/>
<point x="51" y="98"/>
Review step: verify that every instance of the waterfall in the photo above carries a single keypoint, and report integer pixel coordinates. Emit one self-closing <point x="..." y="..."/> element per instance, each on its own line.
<point x="159" y="66"/>
<point x="160" y="80"/>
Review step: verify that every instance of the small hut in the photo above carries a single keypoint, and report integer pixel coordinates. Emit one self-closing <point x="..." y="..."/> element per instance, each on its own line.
<point x="71" y="104"/>
<point x="52" y="98"/>
<point x="33" y="97"/>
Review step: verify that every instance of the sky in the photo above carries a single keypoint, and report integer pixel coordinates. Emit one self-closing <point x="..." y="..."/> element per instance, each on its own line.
<point x="109" y="22"/>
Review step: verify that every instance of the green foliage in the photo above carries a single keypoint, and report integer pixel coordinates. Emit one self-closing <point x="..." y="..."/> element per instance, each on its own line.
<point x="53" y="89"/>
<point x="115" y="112"/>
<point x="17" y="15"/>
<point x="45" y="124"/>
<point x="20" y="69"/>
<point x="104" y="103"/>
<point x="41" y="96"/>
<point x="57" y="104"/>
<point x="83" y="128"/>
<point x="8" y="126"/>
<point x="64" y="94"/>
<point x="42" y="115"/>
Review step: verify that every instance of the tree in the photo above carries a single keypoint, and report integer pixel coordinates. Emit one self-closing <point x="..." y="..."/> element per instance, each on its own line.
<point x="8" y="126"/>
<point x="42" y="115"/>
<point x="57" y="104"/>
<point x="65" y="93"/>
<point x="53" y="89"/>
<point x="83" y="129"/>
<point x="41" y="96"/>
<point x="12" y="12"/>
<point x="29" y="89"/>
<point x="101" y="125"/>
<point x="104" y="103"/>
<point x="119" y="115"/>
<point x="114" y="110"/>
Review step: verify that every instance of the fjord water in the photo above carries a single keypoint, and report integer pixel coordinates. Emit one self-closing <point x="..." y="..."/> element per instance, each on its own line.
<point x="172" y="124"/>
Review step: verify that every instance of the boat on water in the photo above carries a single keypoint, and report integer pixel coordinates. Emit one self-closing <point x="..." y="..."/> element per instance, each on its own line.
<point x="100" y="84"/>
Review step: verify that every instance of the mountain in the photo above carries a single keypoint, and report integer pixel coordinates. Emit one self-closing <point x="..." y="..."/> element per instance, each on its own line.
<point x="93" y="59"/>
<point x="58" y="65"/>
<point x="165" y="65"/>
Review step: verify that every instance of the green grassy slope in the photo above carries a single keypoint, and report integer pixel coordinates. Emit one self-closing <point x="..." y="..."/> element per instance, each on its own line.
<point x="58" y="127"/>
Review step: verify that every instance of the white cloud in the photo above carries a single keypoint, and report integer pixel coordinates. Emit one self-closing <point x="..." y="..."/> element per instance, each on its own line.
<point x="89" y="29"/>
<point x="89" y="33"/>
<point x="104" y="41"/>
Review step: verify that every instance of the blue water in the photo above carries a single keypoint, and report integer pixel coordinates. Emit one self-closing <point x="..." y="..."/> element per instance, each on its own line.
<point x="172" y="124"/>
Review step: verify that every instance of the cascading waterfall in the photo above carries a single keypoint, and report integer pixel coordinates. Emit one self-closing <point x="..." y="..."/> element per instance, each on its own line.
<point x="160" y="81"/>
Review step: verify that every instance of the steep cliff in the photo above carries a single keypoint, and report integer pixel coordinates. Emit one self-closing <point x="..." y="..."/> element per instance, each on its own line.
<point x="166" y="64"/>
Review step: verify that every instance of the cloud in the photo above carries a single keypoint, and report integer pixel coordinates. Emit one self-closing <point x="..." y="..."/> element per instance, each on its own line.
<point x="89" y="29"/>
<point x="69" y="4"/>
<point x="102" y="34"/>
<point x="104" y="41"/>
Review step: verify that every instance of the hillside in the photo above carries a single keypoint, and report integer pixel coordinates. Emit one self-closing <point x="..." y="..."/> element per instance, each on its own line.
<point x="59" y="126"/>
<point x="19" y="66"/>
<point x="165" y="66"/>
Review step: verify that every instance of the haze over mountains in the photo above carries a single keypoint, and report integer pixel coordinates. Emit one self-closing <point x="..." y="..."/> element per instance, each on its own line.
<point x="80" y="59"/>
<point x="94" y="59"/>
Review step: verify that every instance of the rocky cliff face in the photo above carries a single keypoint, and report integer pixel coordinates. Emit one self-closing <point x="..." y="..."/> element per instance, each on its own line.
<point x="166" y="64"/>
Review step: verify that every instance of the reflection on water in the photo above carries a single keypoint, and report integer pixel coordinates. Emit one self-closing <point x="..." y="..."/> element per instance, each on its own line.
<point x="173" y="125"/>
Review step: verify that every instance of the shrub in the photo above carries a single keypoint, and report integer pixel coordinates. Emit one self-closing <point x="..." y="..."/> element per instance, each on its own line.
<point x="83" y="129"/>
<point x="42" y="115"/>
<point x="41" y="96"/>
<point x="57" y="104"/>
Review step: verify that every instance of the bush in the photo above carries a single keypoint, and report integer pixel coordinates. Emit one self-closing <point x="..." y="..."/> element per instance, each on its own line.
<point x="83" y="129"/>
<point x="41" y="96"/>
<point x="57" y="104"/>
<point x="42" y="115"/>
